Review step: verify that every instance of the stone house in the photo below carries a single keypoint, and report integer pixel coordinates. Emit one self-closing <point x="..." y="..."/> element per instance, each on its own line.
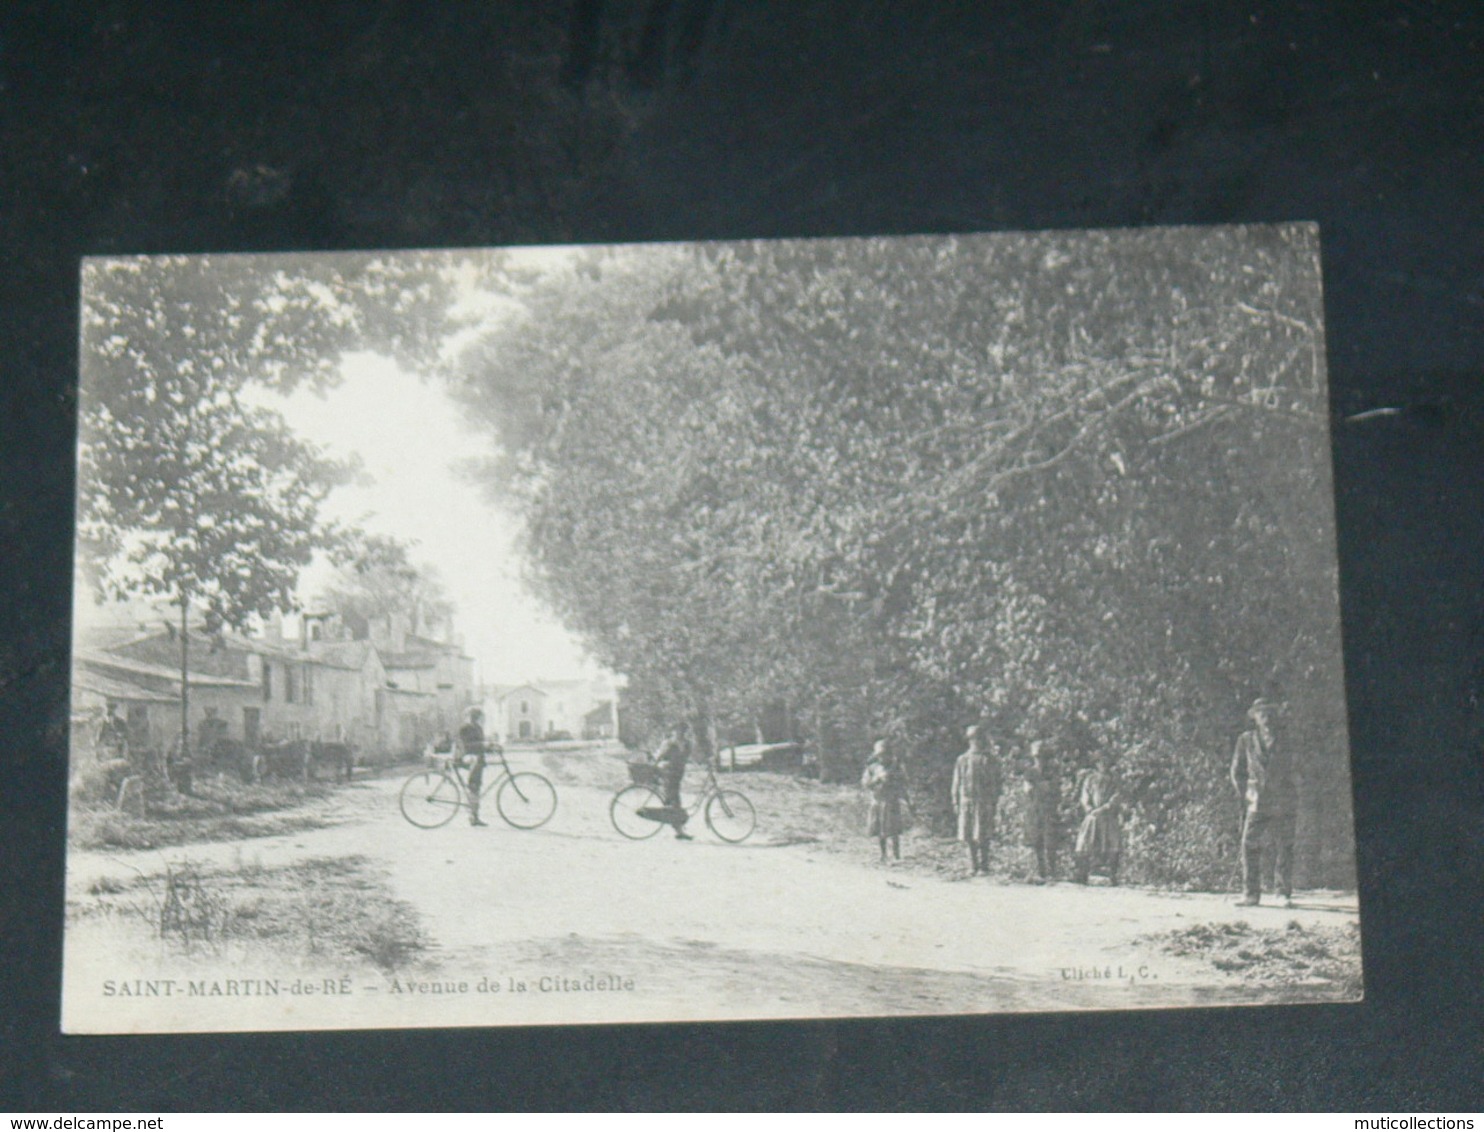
<point x="257" y="692"/>
<point x="416" y="666"/>
<point x="521" y="713"/>
<point x="150" y="717"/>
<point x="601" y="722"/>
<point x="543" y="708"/>
<point x="365" y="706"/>
<point x="438" y="668"/>
<point x="148" y="693"/>
<point x="377" y="686"/>
<point x="250" y="690"/>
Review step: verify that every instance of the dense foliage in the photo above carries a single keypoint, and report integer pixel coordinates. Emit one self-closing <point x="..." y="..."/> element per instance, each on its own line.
<point x="378" y="579"/>
<point x="189" y="489"/>
<point x="188" y="485"/>
<point x="1073" y="485"/>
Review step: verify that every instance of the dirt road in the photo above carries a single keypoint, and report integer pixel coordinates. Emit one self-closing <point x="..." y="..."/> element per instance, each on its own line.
<point x="595" y="927"/>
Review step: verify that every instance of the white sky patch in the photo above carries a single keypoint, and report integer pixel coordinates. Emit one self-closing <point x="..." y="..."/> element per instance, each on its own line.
<point x="481" y="308"/>
<point x="409" y="437"/>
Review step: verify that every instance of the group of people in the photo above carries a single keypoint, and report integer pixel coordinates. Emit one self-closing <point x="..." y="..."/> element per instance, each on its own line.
<point x="977" y="786"/>
<point x="1262" y="773"/>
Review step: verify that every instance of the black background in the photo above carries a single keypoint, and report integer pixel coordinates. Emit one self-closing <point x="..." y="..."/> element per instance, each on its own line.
<point x="134" y="127"/>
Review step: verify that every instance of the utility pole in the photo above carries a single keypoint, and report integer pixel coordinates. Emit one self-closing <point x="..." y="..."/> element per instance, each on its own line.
<point x="185" y="717"/>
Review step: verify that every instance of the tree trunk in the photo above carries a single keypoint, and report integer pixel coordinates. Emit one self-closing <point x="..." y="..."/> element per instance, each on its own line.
<point x="705" y="746"/>
<point x="701" y="729"/>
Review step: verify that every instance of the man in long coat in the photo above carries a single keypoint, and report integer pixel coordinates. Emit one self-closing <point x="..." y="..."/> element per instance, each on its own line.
<point x="976" y="796"/>
<point x="1264" y="776"/>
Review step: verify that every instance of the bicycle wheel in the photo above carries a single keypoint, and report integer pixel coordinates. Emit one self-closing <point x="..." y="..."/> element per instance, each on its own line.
<point x="526" y="800"/>
<point x="430" y="798"/>
<point x="625" y="808"/>
<point x="730" y="816"/>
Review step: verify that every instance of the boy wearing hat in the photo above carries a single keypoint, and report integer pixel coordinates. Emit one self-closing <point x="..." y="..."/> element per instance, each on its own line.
<point x="1263" y="775"/>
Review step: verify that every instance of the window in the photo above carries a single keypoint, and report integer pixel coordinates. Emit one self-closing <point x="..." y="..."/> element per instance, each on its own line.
<point x="290" y="684"/>
<point x="267" y="681"/>
<point x="525" y="707"/>
<point x="309" y="686"/>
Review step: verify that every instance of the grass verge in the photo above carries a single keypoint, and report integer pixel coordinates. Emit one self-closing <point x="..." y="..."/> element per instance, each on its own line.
<point x="340" y="909"/>
<point x="218" y="810"/>
<point x="1273" y="956"/>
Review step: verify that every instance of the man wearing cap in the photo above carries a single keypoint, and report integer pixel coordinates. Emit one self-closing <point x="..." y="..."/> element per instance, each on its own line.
<point x="471" y="747"/>
<point x="976" y="796"/>
<point x="1263" y="775"/>
<point x="1042" y="798"/>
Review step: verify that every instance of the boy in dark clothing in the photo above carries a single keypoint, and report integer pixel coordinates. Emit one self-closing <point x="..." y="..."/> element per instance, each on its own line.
<point x="471" y="746"/>
<point x="672" y="758"/>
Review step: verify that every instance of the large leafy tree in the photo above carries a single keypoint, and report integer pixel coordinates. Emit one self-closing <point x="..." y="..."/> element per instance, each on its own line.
<point x="617" y="538"/>
<point x="1063" y="481"/>
<point x="189" y="488"/>
<point x="378" y="578"/>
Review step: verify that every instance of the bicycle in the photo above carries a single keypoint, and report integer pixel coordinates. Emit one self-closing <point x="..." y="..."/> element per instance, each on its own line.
<point x="638" y="811"/>
<point x="432" y="796"/>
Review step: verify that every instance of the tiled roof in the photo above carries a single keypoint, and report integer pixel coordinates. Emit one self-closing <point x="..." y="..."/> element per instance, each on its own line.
<point x="415" y="643"/>
<point x="111" y="636"/>
<point x="100" y="659"/>
<point x="341" y="654"/>
<point x="282" y="651"/>
<point x="117" y="689"/>
<point x="508" y="692"/>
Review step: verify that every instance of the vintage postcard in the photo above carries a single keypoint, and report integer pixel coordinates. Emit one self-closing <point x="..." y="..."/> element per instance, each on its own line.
<point x="781" y="629"/>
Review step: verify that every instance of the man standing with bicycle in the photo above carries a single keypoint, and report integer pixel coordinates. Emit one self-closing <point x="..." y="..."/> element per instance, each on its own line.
<point x="671" y="759"/>
<point x="471" y="746"/>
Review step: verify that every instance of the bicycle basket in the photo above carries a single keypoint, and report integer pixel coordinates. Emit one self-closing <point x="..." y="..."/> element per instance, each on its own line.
<point x="644" y="774"/>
